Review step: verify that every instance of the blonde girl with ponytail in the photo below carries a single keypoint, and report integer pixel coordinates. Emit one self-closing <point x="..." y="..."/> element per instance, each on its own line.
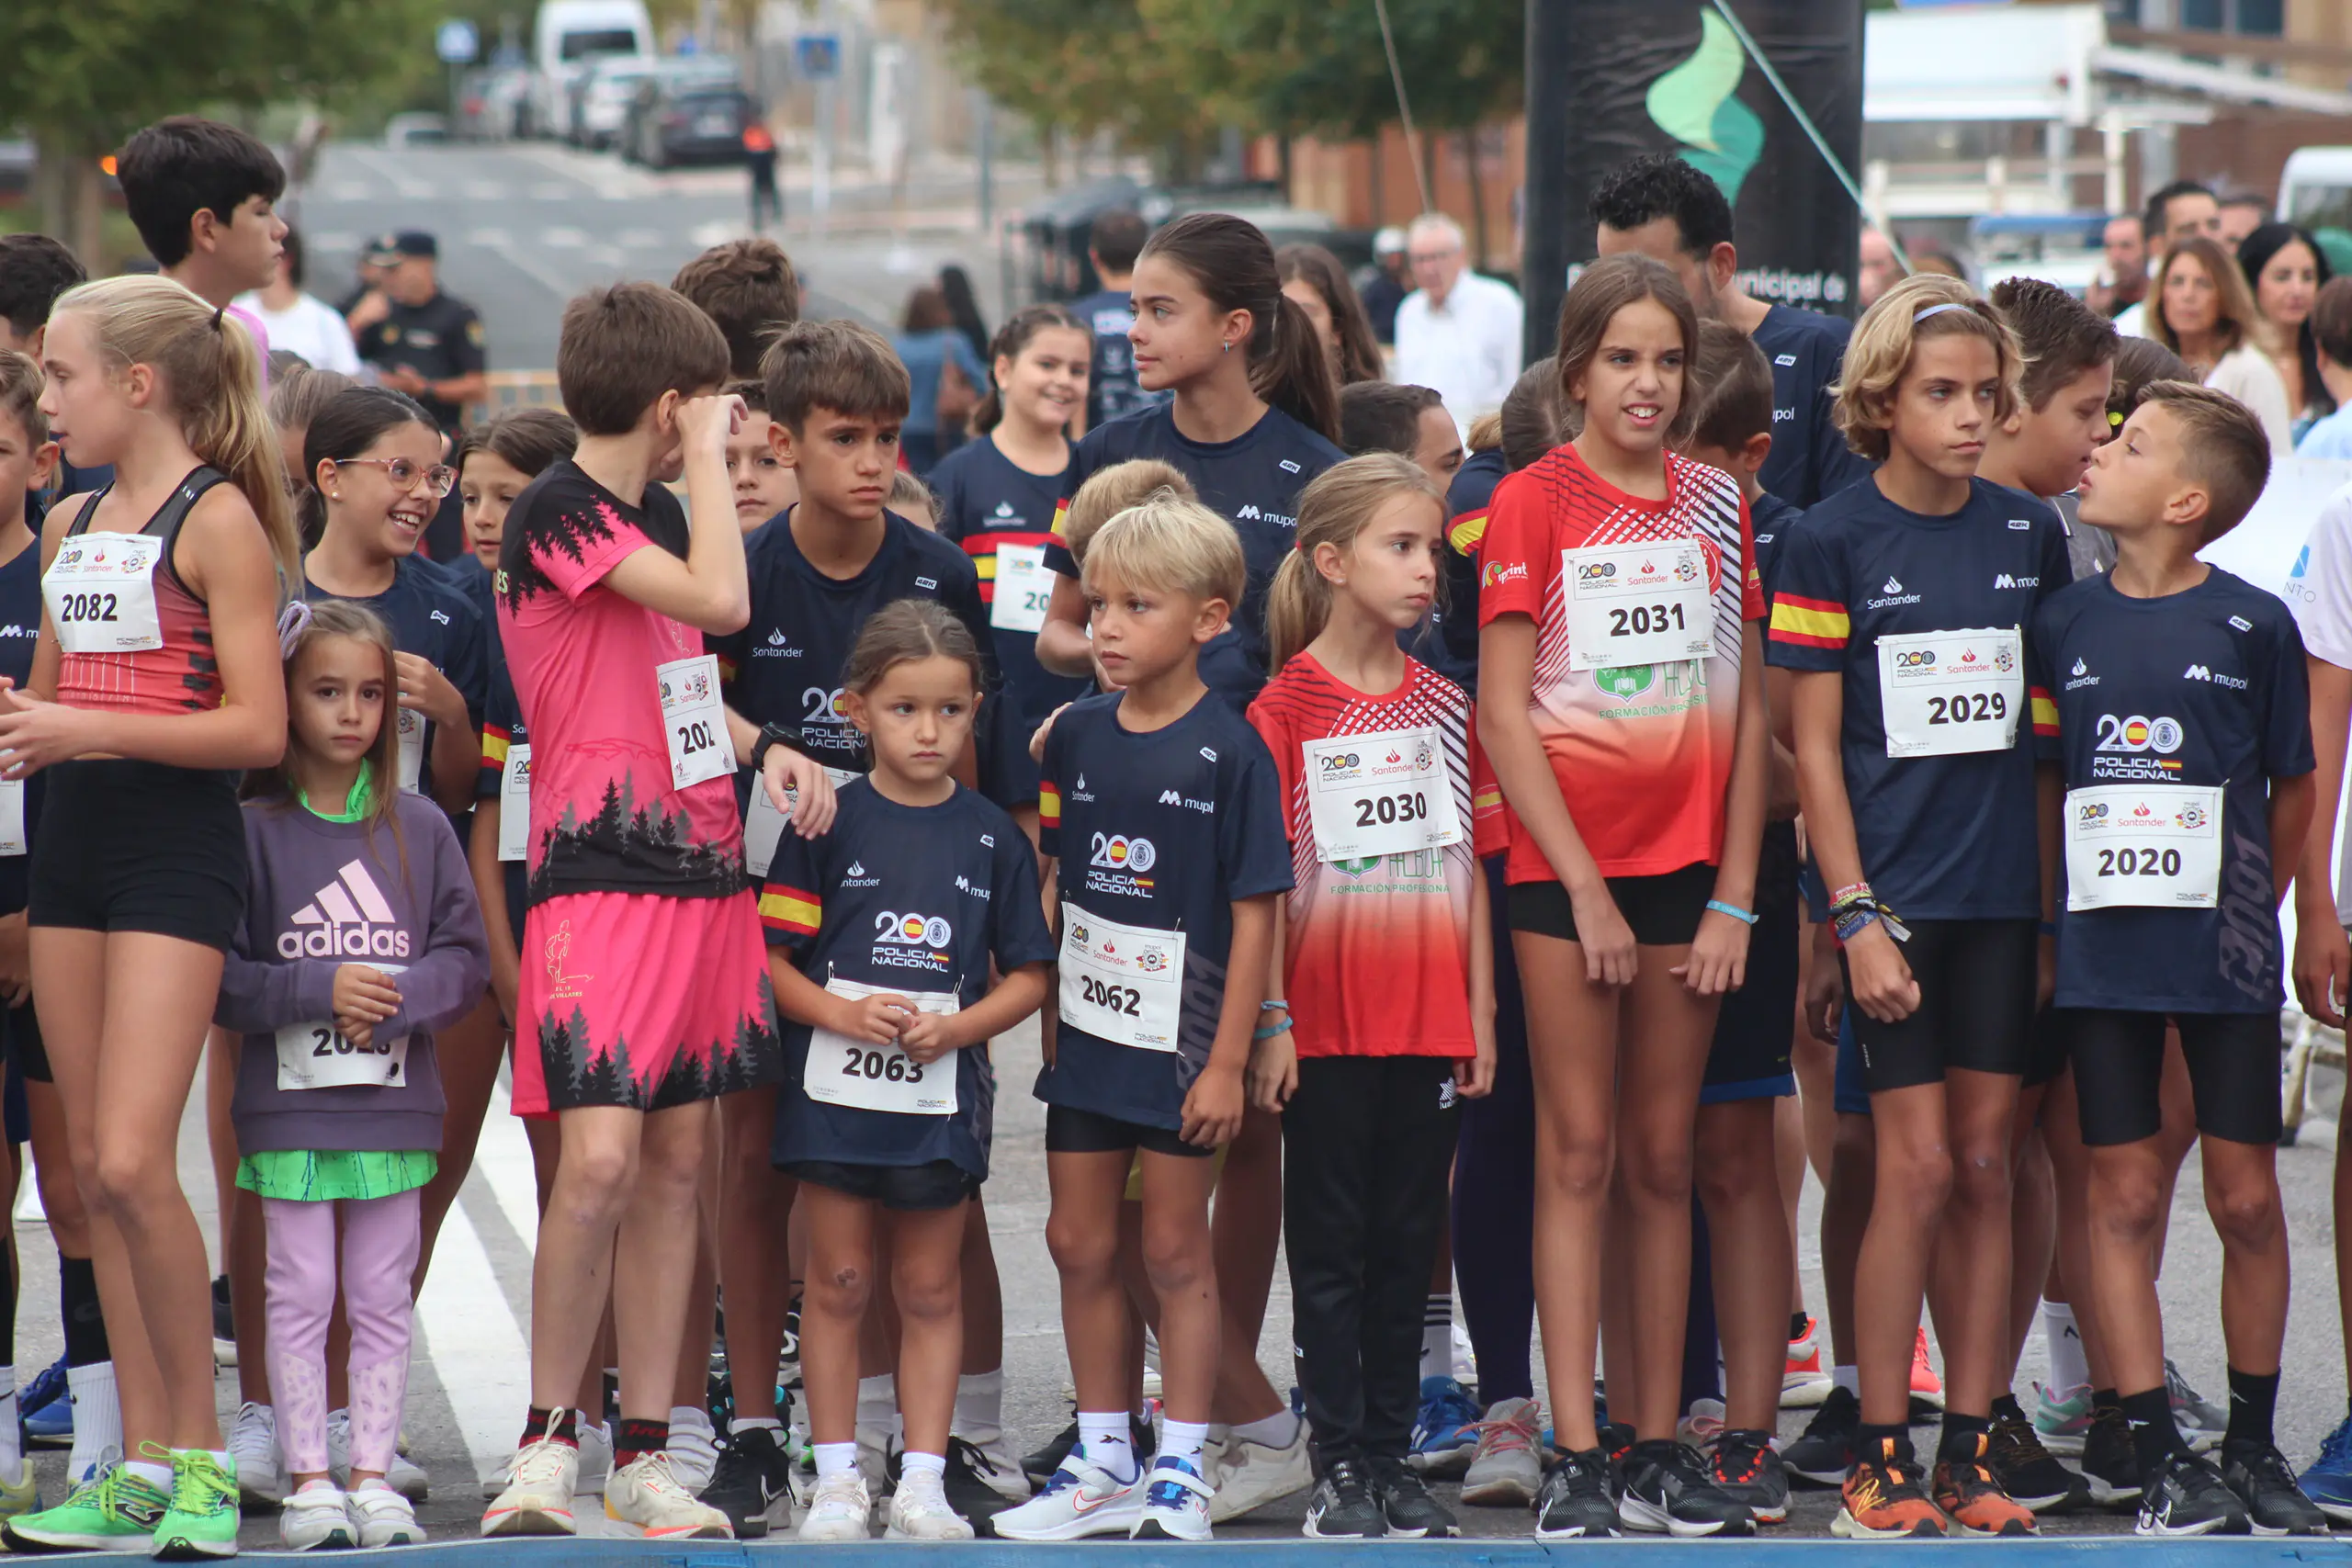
<point x="156" y="681"/>
<point x="1387" y="965"/>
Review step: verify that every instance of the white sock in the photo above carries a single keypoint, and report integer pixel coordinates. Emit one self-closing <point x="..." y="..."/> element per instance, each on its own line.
<point x="917" y="1463"/>
<point x="1183" y="1440"/>
<point x="979" y="1407"/>
<point x="2069" y="1369"/>
<point x="742" y="1424"/>
<point x="877" y="1399"/>
<point x="689" y="1415"/>
<point x="1847" y="1378"/>
<point x="156" y="1475"/>
<point x="1276" y="1431"/>
<point x="98" y="1416"/>
<point x="835" y="1459"/>
<point x="1437" y="1336"/>
<point x="1107" y="1440"/>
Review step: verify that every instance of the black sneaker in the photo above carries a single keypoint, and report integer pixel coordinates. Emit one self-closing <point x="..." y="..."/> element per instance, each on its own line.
<point x="965" y="1481"/>
<point x="1745" y="1467"/>
<point x="2031" y="1476"/>
<point x="2110" y="1464"/>
<point x="790" y="1354"/>
<point x="1344" y="1505"/>
<point x="1575" y="1500"/>
<point x="1405" y="1502"/>
<point x="1039" y="1466"/>
<point x="1824" y="1452"/>
<point x="2186" y="1497"/>
<point x="751" y="1484"/>
<point x="1668" y="1488"/>
<point x="2274" y="1504"/>
<point x="224" y="1325"/>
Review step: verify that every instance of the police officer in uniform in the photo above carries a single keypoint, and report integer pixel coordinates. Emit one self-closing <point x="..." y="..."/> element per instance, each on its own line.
<point x="421" y="341"/>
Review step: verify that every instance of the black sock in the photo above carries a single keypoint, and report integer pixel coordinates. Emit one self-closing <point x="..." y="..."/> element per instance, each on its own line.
<point x="2155" y="1435"/>
<point x="85" y="1322"/>
<point x="1869" y="1443"/>
<point x="2105" y="1399"/>
<point x="636" y="1438"/>
<point x="2254" y="1398"/>
<point x="1962" y="1436"/>
<point x="1796" y="1326"/>
<point x="542" y="1422"/>
<point x="2006" y="1409"/>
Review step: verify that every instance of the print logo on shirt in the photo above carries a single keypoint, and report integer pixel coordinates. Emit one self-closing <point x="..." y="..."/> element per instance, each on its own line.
<point x="1893" y="589"/>
<point x="2124" y="744"/>
<point x="1004" y="509"/>
<point x="1176" y="797"/>
<point x="899" y="941"/>
<point x="441" y="616"/>
<point x="930" y="582"/>
<point x="2200" y="673"/>
<point x="1784" y="359"/>
<point x="1117" y="866"/>
<point x="964" y="885"/>
<point x="557" y="952"/>
<point x="2242" y="622"/>
<point x="12" y="630"/>
<point x="1251" y="513"/>
<point x="346" y="919"/>
<point x="1289" y="467"/>
<point x="1080" y="792"/>
<point x="2005" y="580"/>
<point x="856" y="876"/>
<point x="778" y="647"/>
<point x="2083" y="677"/>
<point x="2019" y="525"/>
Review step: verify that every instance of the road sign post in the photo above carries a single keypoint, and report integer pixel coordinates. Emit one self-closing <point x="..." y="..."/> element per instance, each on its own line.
<point x="817" y="57"/>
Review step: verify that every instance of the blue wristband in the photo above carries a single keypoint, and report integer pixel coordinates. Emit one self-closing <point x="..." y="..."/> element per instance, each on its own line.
<point x="1734" y="911"/>
<point x="1282" y="1028"/>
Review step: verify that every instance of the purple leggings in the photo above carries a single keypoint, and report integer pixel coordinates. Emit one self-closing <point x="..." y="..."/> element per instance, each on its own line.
<point x="380" y="1238"/>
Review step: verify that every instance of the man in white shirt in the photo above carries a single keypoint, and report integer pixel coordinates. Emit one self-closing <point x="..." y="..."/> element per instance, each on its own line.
<point x="1458" y="334"/>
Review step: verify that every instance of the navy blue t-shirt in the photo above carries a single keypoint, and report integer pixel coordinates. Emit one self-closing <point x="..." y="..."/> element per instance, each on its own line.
<point x="1810" y="460"/>
<point x="1111" y="389"/>
<point x="785" y="666"/>
<point x="1773" y="518"/>
<point x="2202" y="687"/>
<point x="1448" y="643"/>
<point x="985" y="502"/>
<point x="432" y="617"/>
<point x="19" y="633"/>
<point x="1252" y="482"/>
<point x="904" y="898"/>
<point x="1942" y="838"/>
<point x="1163" y="831"/>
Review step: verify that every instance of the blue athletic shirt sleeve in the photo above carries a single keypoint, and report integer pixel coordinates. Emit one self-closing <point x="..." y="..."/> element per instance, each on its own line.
<point x="1253" y="844"/>
<point x="1018" y="935"/>
<point x="1810" y="461"/>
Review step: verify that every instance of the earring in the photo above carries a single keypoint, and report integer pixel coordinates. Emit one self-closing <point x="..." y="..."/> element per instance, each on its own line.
<point x="1229" y="345"/>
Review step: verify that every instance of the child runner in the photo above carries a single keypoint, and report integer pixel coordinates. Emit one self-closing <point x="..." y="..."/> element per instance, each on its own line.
<point x="1622" y="702"/>
<point x="2184" y="716"/>
<point x="1387" y="969"/>
<point x="1902" y="607"/>
<point x="749" y="288"/>
<point x="361" y="939"/>
<point x="645" y="992"/>
<point x="911" y="499"/>
<point x="891" y="1109"/>
<point x="155" y="676"/>
<point x="1168" y="807"/>
<point x="764" y="488"/>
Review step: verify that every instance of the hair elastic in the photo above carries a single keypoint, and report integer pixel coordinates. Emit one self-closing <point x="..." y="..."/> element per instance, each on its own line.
<point x="218" y="311"/>
<point x="293" y="622"/>
<point x="1937" y="310"/>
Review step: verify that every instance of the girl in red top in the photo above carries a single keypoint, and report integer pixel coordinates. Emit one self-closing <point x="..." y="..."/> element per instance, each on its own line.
<point x="1387" y="969"/>
<point x="156" y="681"/>
<point x="1621" y="699"/>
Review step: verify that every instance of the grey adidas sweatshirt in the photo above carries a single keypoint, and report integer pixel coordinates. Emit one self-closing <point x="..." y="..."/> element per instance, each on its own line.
<point x="323" y="895"/>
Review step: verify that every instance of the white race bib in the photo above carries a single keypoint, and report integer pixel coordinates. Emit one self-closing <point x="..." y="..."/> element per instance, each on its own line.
<point x="100" y="593"/>
<point x="694" y="721"/>
<point x="857" y="1073"/>
<point x="1385" y="794"/>
<point x="2145" y="846"/>
<point x="764" y="824"/>
<point x="1943" y="693"/>
<point x="514" y="804"/>
<point x="411" y="749"/>
<point x="320" y="1055"/>
<point x="12" y="817"/>
<point x="1123" y="984"/>
<point x="1024" y="589"/>
<point x="1638" y="604"/>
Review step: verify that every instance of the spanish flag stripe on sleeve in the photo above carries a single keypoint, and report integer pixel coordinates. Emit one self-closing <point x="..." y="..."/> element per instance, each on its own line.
<point x="1466" y="532"/>
<point x="494" y="743"/>
<point x="790" y="909"/>
<point x="2045" y="713"/>
<point x="1809" y="623"/>
<point x="1050" y="805"/>
<point x="1061" y="514"/>
<point x="728" y="670"/>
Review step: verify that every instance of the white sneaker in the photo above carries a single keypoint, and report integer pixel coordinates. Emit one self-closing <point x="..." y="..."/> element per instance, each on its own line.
<point x="839" y="1510"/>
<point x="645" y="1492"/>
<point x="385" y="1518"/>
<point x="538" y="1498"/>
<point x="595" y="1456"/>
<point x="253" y="1443"/>
<point x="1152" y="1387"/>
<point x="1248" y="1475"/>
<point x="919" y="1510"/>
<point x="403" y="1477"/>
<point x="1175" y="1503"/>
<point x="694" y="1450"/>
<point x="316" y="1517"/>
<point x="1079" y="1499"/>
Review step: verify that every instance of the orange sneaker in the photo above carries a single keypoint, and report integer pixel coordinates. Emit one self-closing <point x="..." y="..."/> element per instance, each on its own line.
<point x="1971" y="1495"/>
<point x="1927" y="1388"/>
<point x="1804" y="1383"/>
<point x="1883" y="1501"/>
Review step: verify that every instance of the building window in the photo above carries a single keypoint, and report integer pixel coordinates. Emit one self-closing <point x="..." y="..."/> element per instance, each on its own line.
<point x="2205" y="16"/>
<point x="2264" y="18"/>
<point x="2124" y="11"/>
<point x="2254" y="18"/>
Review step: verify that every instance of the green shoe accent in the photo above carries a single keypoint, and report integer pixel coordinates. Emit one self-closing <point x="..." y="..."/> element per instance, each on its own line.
<point x="23" y="1496"/>
<point x="111" y="1509"/>
<point x="203" y="1522"/>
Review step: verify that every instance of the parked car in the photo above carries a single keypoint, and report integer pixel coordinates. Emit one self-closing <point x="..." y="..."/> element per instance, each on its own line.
<point x="673" y="76"/>
<point x="568" y="37"/>
<point x="695" y="125"/>
<point x="600" y="100"/>
<point x="492" y="103"/>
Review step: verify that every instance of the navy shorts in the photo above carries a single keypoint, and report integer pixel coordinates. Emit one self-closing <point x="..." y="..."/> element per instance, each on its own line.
<point x="1756" y="1026"/>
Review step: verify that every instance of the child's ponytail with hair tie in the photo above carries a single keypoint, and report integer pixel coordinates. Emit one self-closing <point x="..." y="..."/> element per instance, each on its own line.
<point x="293" y="622"/>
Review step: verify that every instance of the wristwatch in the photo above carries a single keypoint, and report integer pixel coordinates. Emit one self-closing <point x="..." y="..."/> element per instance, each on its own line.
<point x="785" y="735"/>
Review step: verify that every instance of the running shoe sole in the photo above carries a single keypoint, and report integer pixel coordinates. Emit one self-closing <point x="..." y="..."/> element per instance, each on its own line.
<point x="528" y="1521"/>
<point x="1506" y="1492"/>
<point x="1846" y="1528"/>
<point x="1646" y="1517"/>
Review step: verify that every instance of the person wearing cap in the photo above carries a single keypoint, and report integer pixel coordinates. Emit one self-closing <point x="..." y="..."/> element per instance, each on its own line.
<point x="1385" y="287"/>
<point x="422" y="341"/>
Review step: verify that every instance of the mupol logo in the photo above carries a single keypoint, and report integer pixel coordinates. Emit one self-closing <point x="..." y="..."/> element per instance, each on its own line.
<point x="1171" y="798"/>
<point x="2006" y="581"/>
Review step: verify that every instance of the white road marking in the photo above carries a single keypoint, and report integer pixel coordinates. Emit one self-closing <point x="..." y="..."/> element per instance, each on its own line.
<point x="389" y="169"/>
<point x="467" y="1334"/>
<point x="525" y="262"/>
<point x="560" y="238"/>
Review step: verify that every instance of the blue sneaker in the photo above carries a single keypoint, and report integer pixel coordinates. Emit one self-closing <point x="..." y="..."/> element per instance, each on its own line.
<point x="2328" y="1482"/>
<point x="47" y="1408"/>
<point x="1445" y="1433"/>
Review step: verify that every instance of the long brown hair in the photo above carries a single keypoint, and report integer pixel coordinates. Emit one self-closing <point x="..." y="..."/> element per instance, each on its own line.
<point x="1011" y="339"/>
<point x="1332" y="510"/>
<point x="310" y="624"/>
<point x="1354" y="356"/>
<point x="1229" y="259"/>
<point x="2233" y="304"/>
<point x="1602" y="289"/>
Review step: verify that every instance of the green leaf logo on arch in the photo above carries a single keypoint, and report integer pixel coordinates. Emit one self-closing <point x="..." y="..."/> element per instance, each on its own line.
<point x="1695" y="103"/>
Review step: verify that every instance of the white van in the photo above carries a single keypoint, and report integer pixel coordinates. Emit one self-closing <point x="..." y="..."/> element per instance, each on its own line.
<point x="2315" y="188"/>
<point x="569" y="36"/>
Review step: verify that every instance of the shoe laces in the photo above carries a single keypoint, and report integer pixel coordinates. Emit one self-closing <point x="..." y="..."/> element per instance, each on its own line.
<point x="199" y="1485"/>
<point x="541" y="1460"/>
<point x="972" y="1456"/>
<point x="1509" y="1432"/>
<point x="847" y="1491"/>
<point x="1450" y="1411"/>
<point x="2266" y="1464"/>
<point x="2015" y="1438"/>
<point x="657" y="1473"/>
<point x="1348" y="1481"/>
<point x="1739" y="1458"/>
<point x="2336" y="1449"/>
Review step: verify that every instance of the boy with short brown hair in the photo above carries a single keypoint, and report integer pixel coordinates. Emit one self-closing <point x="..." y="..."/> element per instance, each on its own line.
<point x="749" y="288"/>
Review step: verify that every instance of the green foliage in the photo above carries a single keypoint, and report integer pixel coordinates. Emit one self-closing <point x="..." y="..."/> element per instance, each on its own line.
<point x="1080" y="65"/>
